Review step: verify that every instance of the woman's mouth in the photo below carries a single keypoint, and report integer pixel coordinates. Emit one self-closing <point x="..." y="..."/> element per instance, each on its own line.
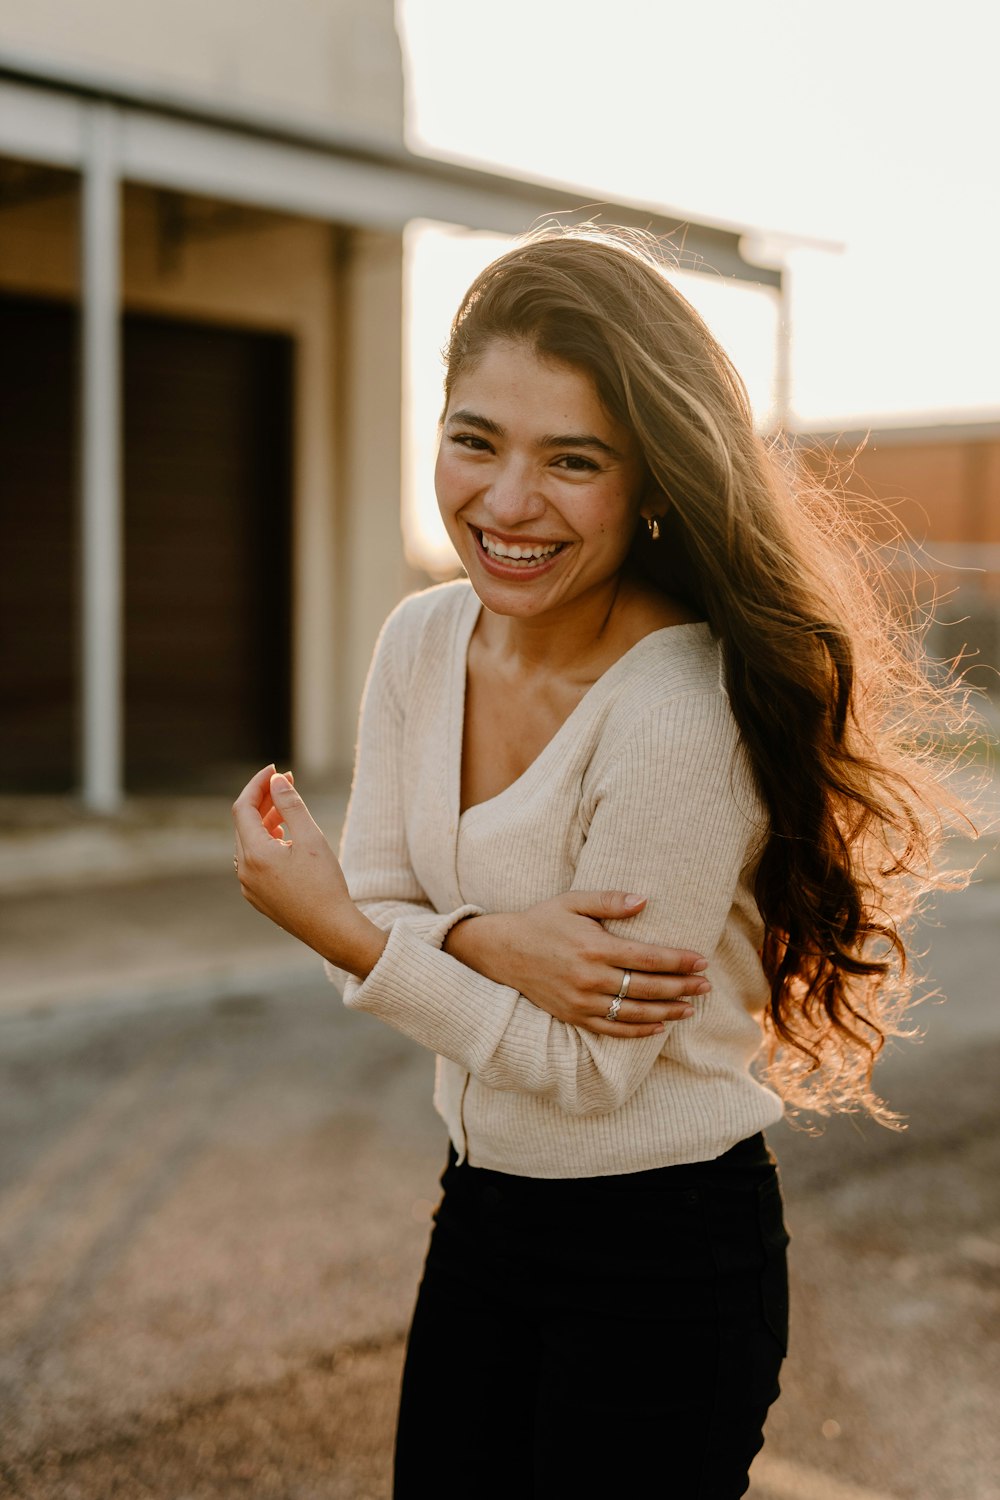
<point x="522" y="557"/>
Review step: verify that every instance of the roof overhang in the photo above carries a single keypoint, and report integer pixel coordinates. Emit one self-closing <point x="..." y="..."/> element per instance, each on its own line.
<point x="889" y="433"/>
<point x="187" y="143"/>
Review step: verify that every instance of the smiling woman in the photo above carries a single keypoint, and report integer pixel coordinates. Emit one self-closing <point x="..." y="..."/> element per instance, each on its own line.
<point x="630" y="800"/>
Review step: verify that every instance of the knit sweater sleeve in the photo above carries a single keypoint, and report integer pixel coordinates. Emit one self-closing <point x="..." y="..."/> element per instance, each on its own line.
<point x="668" y="816"/>
<point x="373" y="851"/>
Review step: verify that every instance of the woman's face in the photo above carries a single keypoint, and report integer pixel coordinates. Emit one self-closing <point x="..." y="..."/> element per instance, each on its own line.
<point x="539" y="488"/>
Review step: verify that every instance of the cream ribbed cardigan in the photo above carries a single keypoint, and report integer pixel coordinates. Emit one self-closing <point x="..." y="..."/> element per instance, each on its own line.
<point x="644" y="788"/>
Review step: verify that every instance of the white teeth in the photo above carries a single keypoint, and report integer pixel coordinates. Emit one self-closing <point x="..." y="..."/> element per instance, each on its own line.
<point x="514" y="553"/>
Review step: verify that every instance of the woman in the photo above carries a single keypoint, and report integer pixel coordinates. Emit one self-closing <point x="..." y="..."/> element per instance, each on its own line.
<point x="637" y="784"/>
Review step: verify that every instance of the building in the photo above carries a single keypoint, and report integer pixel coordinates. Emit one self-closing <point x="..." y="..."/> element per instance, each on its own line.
<point x="937" y="494"/>
<point x="201" y="251"/>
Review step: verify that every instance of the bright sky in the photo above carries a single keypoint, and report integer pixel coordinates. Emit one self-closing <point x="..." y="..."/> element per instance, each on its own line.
<point x="871" y="123"/>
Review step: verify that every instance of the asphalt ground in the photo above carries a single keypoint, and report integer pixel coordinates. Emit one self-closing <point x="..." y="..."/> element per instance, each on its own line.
<point x="216" y="1187"/>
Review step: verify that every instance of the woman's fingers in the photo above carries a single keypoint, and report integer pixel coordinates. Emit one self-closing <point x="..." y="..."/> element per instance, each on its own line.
<point x="652" y="958"/>
<point x="662" y="981"/>
<point x="266" y="807"/>
<point x="651" y="999"/>
<point x="247" y="810"/>
<point x="272" y="822"/>
<point x="633" y="1014"/>
<point x="627" y="1033"/>
<point x="605" y="905"/>
<point x="655" y="986"/>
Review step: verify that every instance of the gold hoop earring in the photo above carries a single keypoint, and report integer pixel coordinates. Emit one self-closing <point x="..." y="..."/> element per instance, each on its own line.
<point x="654" y="527"/>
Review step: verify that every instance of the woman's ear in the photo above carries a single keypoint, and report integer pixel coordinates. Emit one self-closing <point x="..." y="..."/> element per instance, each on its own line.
<point x="655" y="505"/>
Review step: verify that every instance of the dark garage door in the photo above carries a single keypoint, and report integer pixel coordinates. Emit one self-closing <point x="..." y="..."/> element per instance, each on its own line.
<point x="207" y="516"/>
<point x="37" y="553"/>
<point x="207" y="482"/>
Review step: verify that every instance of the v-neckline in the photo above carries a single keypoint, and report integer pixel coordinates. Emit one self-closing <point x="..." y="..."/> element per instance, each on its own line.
<point x="466" y="626"/>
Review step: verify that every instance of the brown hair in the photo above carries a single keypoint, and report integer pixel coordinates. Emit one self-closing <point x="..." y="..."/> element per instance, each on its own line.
<point x="829" y="685"/>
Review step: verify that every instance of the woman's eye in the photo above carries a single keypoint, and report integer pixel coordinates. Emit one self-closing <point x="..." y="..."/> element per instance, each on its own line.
<point x="577" y="464"/>
<point x="470" y="440"/>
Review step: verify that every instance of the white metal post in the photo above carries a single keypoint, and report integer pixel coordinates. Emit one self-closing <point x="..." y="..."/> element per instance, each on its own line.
<point x="783" y="354"/>
<point x="101" y="527"/>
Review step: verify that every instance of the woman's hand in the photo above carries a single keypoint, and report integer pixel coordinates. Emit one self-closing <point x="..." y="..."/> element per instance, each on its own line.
<point x="559" y="956"/>
<point x="296" y="879"/>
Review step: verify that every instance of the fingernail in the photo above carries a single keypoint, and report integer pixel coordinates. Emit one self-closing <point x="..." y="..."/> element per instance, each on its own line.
<point x="280" y="783"/>
<point x="704" y="988"/>
<point x="700" y="966"/>
<point x="634" y="901"/>
<point x="686" y="1010"/>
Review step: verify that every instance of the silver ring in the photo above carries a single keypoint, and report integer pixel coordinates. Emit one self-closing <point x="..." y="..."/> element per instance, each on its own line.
<point x="616" y="1003"/>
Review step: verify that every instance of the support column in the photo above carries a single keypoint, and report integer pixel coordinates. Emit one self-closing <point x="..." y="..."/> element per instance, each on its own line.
<point x="101" y="529"/>
<point x="783" y="355"/>
<point x="373" y="573"/>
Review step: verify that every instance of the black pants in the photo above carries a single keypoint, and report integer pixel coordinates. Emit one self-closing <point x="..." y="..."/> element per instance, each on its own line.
<point x="603" y="1336"/>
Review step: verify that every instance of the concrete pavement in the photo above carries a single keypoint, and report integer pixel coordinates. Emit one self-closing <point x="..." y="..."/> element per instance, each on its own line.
<point x="215" y="1188"/>
<point x="125" y="911"/>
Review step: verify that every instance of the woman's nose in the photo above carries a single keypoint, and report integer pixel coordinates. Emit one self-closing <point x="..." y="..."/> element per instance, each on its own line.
<point x="515" y="496"/>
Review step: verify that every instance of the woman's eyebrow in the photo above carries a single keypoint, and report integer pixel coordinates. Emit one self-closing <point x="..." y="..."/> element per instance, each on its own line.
<point x="579" y="440"/>
<point x="551" y="440"/>
<point x="473" y="419"/>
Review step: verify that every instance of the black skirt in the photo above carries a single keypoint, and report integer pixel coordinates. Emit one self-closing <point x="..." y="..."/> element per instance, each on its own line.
<point x="596" y="1336"/>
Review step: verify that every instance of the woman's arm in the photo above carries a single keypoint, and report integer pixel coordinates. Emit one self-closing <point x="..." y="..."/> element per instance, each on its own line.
<point x="288" y="872"/>
<point x="673" y="818"/>
<point x="297" y="881"/>
<point x="373" y="850"/>
<point x="560" y="955"/>
<point x="665" y="819"/>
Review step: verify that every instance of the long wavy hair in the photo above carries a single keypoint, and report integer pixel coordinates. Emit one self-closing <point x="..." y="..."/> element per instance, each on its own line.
<point x="841" y="714"/>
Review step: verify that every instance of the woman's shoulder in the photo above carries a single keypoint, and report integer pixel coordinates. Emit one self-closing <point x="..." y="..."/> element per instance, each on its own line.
<point x="670" y="685"/>
<point x="442" y="601"/>
<point x="421" y="625"/>
<point x="667" y="649"/>
<point x="675" y="662"/>
<point x="670" y="721"/>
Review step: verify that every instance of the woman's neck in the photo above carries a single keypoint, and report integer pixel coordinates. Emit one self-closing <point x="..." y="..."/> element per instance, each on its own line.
<point x="580" y="640"/>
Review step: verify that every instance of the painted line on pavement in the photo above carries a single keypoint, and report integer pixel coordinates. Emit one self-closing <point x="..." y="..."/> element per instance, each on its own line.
<point x="784" y="1479"/>
<point x="197" y="982"/>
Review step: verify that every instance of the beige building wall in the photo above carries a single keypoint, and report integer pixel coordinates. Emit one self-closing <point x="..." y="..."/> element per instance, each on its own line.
<point x="375" y="574"/>
<point x="336" y="62"/>
<point x="338" y="293"/>
<point x="942" y="486"/>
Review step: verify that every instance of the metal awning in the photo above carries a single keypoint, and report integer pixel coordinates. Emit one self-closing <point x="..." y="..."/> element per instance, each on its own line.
<point x="266" y="159"/>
